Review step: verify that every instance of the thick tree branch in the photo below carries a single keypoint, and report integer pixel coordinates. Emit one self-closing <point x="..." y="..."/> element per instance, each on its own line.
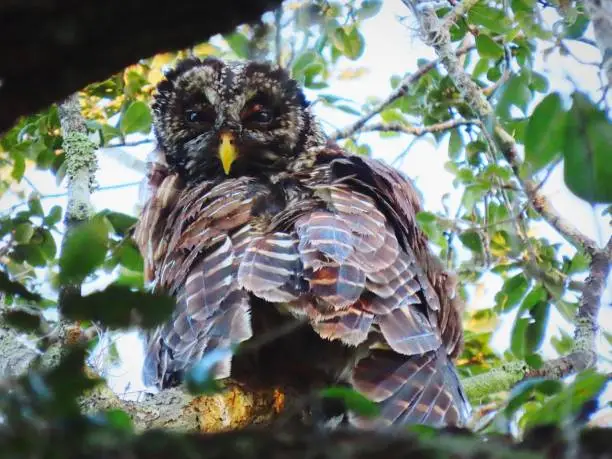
<point x="81" y="161"/>
<point x="82" y="42"/>
<point x="232" y="408"/>
<point x="435" y="33"/>
<point x="81" y="166"/>
<point x="257" y="443"/>
<point x="16" y="355"/>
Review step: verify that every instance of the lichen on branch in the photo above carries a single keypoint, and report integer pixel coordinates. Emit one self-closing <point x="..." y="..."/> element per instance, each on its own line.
<point x="81" y="160"/>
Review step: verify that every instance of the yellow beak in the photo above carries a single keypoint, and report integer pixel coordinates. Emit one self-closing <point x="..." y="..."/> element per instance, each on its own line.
<point x="227" y="151"/>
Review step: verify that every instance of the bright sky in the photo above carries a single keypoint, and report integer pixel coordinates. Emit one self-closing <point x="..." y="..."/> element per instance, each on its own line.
<point x="391" y="48"/>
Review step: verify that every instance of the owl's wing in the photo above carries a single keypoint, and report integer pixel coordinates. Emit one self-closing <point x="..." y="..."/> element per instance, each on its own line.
<point x="359" y="268"/>
<point x="193" y="240"/>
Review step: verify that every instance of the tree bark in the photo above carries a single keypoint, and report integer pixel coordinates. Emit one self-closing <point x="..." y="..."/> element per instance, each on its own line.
<point x="542" y="443"/>
<point x="51" y="49"/>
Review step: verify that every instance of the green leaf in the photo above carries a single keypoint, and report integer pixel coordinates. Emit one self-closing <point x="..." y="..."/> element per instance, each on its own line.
<point x="23" y="232"/>
<point x="567" y="309"/>
<point x="369" y="8"/>
<point x="471" y="239"/>
<point x="539" y="82"/>
<point x="487" y="47"/>
<point x="353" y="400"/>
<point x="455" y="144"/>
<point x="129" y="256"/>
<point x="494" y="73"/>
<point x="424" y="218"/>
<point x="349" y="41"/>
<point x="306" y="67"/>
<point x="568" y="403"/>
<point x="534" y="335"/>
<point x="137" y="118"/>
<point x="523" y="391"/>
<point x="54" y="216"/>
<point x="588" y="136"/>
<point x="122" y="223"/>
<point x="429" y="225"/>
<point x="83" y="250"/>
<point x="535" y="361"/>
<point x="493" y="19"/>
<point x="67" y="381"/>
<point x="580" y="263"/>
<point x="119" y="306"/>
<point x="22" y="320"/>
<point x="30" y="253"/>
<point x="544" y="135"/>
<point x="481" y="67"/>
<point x="564" y="344"/>
<point x="35" y="207"/>
<point x="19" y="166"/>
<point x="7" y="285"/>
<point x="392" y="115"/>
<point x="512" y="292"/>
<point x="578" y="27"/>
<point x="500" y="243"/>
<point x="118" y="419"/>
<point x="302" y="61"/>
<point x="517" y="340"/>
<point x="535" y="296"/>
<point x="239" y="43"/>
<point x="46" y="244"/>
<point x="514" y="92"/>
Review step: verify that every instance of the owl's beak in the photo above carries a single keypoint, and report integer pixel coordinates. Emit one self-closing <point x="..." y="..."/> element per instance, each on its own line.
<point x="227" y="151"/>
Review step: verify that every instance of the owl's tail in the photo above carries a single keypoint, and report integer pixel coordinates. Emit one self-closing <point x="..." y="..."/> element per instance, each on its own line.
<point x="420" y="389"/>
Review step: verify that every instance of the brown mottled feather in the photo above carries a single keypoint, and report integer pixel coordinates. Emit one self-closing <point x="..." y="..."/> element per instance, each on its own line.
<point x="343" y="250"/>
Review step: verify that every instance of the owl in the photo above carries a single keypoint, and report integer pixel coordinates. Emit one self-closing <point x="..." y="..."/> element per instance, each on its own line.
<point x="255" y="222"/>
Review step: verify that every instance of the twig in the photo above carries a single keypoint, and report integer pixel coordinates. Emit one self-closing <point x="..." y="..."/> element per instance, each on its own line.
<point x="128" y="144"/>
<point x="417" y="130"/>
<point x="119" y="186"/>
<point x="398" y="92"/>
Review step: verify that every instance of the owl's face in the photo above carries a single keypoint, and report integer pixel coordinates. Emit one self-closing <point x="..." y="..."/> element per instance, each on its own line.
<point x="214" y="118"/>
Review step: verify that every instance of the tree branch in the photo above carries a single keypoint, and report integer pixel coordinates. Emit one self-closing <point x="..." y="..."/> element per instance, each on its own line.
<point x="436" y="34"/>
<point x="601" y="17"/>
<point x="398" y="92"/>
<point x="305" y="443"/>
<point x="415" y="130"/>
<point x="81" y="161"/>
<point x="230" y="409"/>
<point x="71" y="36"/>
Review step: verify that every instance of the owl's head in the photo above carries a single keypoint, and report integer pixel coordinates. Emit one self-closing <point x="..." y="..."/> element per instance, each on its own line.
<point x="214" y="118"/>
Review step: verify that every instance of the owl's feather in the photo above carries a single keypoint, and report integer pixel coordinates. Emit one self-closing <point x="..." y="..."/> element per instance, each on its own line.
<point x="325" y="237"/>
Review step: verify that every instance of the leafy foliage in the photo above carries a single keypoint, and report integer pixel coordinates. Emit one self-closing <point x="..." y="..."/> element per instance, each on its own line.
<point x="491" y="234"/>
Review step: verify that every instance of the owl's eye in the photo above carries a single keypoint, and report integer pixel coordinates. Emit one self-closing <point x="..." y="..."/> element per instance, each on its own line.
<point x="200" y="116"/>
<point x="258" y="114"/>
